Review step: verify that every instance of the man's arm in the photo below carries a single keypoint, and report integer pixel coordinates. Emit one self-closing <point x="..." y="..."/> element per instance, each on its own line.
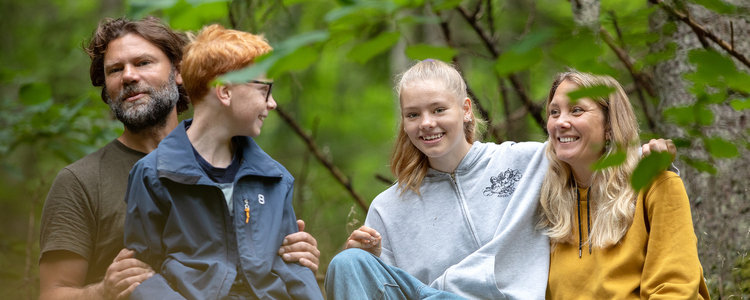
<point x="62" y="275"/>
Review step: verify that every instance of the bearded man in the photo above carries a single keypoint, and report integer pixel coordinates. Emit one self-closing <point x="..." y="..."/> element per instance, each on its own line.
<point x="81" y="243"/>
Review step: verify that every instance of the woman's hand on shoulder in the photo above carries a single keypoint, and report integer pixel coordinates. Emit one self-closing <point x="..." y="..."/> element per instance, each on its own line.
<point x="367" y="239"/>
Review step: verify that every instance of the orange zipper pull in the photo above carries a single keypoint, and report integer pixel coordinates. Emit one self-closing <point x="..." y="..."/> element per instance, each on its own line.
<point x="247" y="211"/>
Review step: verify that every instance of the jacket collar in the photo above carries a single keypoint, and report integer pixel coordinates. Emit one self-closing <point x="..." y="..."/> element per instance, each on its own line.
<point x="176" y="161"/>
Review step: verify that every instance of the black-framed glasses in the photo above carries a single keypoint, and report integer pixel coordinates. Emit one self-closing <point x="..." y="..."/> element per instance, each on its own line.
<point x="268" y="83"/>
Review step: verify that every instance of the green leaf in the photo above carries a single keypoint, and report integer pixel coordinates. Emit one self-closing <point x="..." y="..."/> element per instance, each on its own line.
<point x="264" y="63"/>
<point x="439" y="5"/>
<point x="511" y="62"/>
<point x="34" y="93"/>
<point x="533" y="40"/>
<point x="297" y="61"/>
<point x="711" y="66"/>
<point x="717" y="6"/>
<point x="699" y="165"/>
<point x="197" y="14"/>
<point x="687" y="115"/>
<point x="409" y="3"/>
<point x="422" y="51"/>
<point x="578" y="49"/>
<point x="740" y="104"/>
<point x="720" y="148"/>
<point x="363" y="52"/>
<point x="594" y="92"/>
<point x="648" y="168"/>
<point x="615" y="159"/>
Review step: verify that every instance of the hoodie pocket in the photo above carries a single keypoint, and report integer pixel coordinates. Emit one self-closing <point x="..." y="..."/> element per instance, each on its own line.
<point x="473" y="278"/>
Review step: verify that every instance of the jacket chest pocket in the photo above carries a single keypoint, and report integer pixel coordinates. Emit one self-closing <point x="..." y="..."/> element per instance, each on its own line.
<point x="260" y="211"/>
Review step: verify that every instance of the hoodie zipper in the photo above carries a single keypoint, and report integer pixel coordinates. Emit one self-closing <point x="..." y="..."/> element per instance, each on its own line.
<point x="464" y="209"/>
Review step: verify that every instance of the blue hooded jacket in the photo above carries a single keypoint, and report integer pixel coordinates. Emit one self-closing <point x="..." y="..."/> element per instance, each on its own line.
<point x="179" y="223"/>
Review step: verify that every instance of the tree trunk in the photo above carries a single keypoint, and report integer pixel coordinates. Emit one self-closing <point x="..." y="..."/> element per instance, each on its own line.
<point x="720" y="202"/>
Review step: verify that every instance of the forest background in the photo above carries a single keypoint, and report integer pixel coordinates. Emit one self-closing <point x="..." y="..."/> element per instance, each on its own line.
<point x="684" y="64"/>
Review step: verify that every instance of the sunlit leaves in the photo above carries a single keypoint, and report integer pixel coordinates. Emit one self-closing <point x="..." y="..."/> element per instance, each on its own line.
<point x="720" y="148"/>
<point x="363" y="52"/>
<point x="422" y="51"/>
<point x="614" y="159"/>
<point x="648" y="168"/>
<point x="34" y="93"/>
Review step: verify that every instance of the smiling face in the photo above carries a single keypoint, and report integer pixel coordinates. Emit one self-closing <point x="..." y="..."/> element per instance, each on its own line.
<point x="141" y="83"/>
<point x="434" y="118"/>
<point x="576" y="130"/>
<point x="250" y="107"/>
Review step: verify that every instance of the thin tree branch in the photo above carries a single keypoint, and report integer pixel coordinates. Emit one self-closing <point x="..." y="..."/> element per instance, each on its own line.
<point x="529" y="20"/>
<point x="384" y="179"/>
<point x="506" y="108"/>
<point x="702" y="31"/>
<point x="639" y="79"/>
<point x="535" y="110"/>
<point x="628" y="61"/>
<point x="617" y="28"/>
<point x="322" y="159"/>
<point x="491" y="18"/>
<point x="449" y="40"/>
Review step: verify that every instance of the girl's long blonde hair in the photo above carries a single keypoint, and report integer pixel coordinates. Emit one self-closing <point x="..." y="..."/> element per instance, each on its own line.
<point x="407" y="163"/>
<point x="611" y="197"/>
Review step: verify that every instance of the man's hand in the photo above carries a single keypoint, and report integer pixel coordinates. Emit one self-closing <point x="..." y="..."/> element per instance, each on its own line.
<point x="367" y="239"/>
<point x="62" y="275"/>
<point x="124" y="275"/>
<point x="301" y="247"/>
<point x="660" y="145"/>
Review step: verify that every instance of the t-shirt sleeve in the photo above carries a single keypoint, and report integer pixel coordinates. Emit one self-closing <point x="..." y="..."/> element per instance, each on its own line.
<point x="68" y="221"/>
<point x="672" y="267"/>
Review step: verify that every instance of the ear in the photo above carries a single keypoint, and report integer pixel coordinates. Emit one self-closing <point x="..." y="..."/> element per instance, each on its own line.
<point x="224" y="94"/>
<point x="466" y="106"/>
<point x="177" y="74"/>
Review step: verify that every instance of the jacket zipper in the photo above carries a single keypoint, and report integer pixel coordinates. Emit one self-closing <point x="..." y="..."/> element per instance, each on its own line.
<point x="464" y="209"/>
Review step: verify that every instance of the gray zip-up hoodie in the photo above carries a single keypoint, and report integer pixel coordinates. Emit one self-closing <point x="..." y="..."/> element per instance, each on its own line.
<point x="473" y="232"/>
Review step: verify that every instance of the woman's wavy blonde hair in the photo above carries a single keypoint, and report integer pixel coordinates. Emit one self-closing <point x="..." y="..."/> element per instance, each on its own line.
<point x="407" y="163"/>
<point x="611" y="197"/>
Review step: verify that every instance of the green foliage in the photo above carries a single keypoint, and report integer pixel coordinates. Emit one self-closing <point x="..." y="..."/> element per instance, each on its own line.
<point x="648" y="168"/>
<point x="615" y="159"/>
<point x="35" y="93"/>
<point x="364" y="52"/>
<point x="593" y="92"/>
<point x="720" y="148"/>
<point x="740" y="104"/>
<point x="422" y="51"/>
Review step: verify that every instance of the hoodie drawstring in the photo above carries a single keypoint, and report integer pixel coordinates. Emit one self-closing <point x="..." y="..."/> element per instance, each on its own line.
<point x="588" y="221"/>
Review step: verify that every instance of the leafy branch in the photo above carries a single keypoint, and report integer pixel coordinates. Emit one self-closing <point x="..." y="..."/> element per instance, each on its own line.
<point x="702" y="32"/>
<point x="335" y="171"/>
<point x="488" y="41"/>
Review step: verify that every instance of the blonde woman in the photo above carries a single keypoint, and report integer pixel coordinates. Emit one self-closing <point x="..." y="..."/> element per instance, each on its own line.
<point x="608" y="240"/>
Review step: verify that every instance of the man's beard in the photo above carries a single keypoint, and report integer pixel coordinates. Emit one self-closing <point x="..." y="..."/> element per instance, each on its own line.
<point x="138" y="116"/>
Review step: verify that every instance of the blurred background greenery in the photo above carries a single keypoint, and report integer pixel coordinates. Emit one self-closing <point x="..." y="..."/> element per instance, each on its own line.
<point x="334" y="67"/>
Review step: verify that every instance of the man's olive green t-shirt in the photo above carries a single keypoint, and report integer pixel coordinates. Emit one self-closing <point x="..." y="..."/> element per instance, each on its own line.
<point x="85" y="209"/>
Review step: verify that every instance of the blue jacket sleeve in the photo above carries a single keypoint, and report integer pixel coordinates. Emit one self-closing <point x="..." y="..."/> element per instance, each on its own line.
<point x="144" y="224"/>
<point x="301" y="283"/>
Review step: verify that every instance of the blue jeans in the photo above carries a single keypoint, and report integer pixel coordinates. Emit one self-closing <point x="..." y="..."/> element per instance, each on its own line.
<point x="357" y="274"/>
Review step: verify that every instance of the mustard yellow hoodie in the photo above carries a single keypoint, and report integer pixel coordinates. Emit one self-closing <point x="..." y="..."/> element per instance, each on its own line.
<point x="656" y="259"/>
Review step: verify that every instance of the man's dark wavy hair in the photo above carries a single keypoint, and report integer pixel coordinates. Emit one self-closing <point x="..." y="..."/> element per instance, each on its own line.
<point x="150" y="28"/>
